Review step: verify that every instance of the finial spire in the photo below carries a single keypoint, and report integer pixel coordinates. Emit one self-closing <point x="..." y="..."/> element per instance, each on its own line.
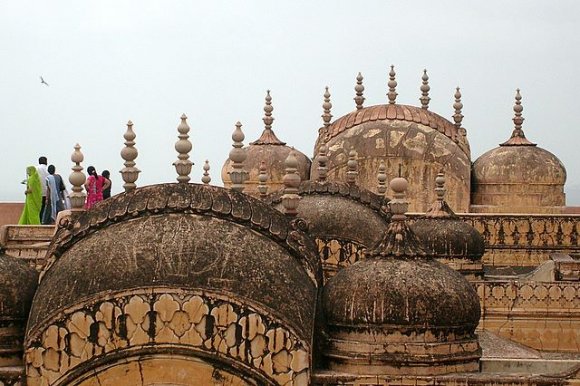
<point x="352" y="168"/>
<point x="382" y="178"/>
<point x="238" y="156"/>
<point x="262" y="179"/>
<point x="440" y="208"/>
<point x="77" y="178"/>
<point x="458" y="106"/>
<point x="425" y="91"/>
<point x="399" y="241"/>
<point x="268" y="137"/>
<point x="129" y="153"/>
<point x="291" y="181"/>
<point x="206" y="178"/>
<point x="518" y="137"/>
<point x="359" y="89"/>
<point x="392" y="94"/>
<point x="183" y="147"/>
<point x="322" y="162"/>
<point x="326" y="106"/>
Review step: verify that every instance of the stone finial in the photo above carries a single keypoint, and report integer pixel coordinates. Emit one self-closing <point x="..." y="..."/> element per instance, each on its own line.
<point x="359" y="89"/>
<point x="268" y="137"/>
<point x="440" y="186"/>
<point x="440" y="208"/>
<point x="392" y="94"/>
<point x="129" y="153"/>
<point x="518" y="137"/>
<point x="291" y="181"/>
<point x="352" y="168"/>
<point x="322" y="162"/>
<point x="326" y="106"/>
<point x="238" y="156"/>
<point x="77" y="178"/>
<point x="425" y="91"/>
<point x="382" y="178"/>
<point x="205" y="178"/>
<point x="183" y="147"/>
<point x="398" y="204"/>
<point x="262" y="179"/>
<point x="458" y="106"/>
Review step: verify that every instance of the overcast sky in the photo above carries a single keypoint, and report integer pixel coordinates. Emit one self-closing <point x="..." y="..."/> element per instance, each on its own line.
<point x="150" y="61"/>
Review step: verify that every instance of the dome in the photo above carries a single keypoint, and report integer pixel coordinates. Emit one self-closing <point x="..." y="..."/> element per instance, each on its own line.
<point x="413" y="140"/>
<point x="518" y="176"/>
<point x="342" y="219"/>
<point x="18" y="283"/>
<point x="399" y="311"/>
<point x="198" y="270"/>
<point x="270" y="150"/>
<point x="449" y="239"/>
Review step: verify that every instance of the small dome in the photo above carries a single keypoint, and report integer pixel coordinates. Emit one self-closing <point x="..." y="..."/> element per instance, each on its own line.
<point x="449" y="239"/>
<point x="342" y="219"/>
<point x="18" y="282"/>
<point x="273" y="152"/>
<point x="518" y="176"/>
<point x="399" y="311"/>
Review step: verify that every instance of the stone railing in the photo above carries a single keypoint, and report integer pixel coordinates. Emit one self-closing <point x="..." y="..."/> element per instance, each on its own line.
<point x="542" y="315"/>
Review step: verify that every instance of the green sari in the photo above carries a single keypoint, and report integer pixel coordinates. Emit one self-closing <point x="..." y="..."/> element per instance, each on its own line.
<point x="31" y="212"/>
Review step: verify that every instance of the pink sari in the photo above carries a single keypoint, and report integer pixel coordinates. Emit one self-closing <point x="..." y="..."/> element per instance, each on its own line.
<point x="94" y="190"/>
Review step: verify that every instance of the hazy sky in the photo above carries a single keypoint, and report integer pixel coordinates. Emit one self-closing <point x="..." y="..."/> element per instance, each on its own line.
<point x="150" y="61"/>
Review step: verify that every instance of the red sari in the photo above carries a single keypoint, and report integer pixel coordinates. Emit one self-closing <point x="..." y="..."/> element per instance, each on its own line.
<point x="94" y="190"/>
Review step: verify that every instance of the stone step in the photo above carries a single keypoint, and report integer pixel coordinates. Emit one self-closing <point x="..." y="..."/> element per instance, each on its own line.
<point x="25" y="234"/>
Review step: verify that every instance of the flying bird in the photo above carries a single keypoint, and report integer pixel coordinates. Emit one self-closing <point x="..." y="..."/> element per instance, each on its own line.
<point x="42" y="81"/>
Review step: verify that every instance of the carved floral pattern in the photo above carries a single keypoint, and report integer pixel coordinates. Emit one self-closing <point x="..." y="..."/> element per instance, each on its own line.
<point x="197" y="321"/>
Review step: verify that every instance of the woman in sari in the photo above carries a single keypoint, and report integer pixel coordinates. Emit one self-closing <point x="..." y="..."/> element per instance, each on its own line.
<point x="31" y="212"/>
<point x="94" y="186"/>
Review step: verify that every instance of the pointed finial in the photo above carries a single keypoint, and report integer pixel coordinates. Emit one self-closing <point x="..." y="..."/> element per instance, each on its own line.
<point x="268" y="137"/>
<point x="518" y="137"/>
<point x="183" y="147"/>
<point x="262" y="179"/>
<point x="518" y="108"/>
<point x="291" y="181"/>
<point x="238" y="156"/>
<point x="326" y="106"/>
<point x="458" y="106"/>
<point x="268" y="108"/>
<point x="398" y="204"/>
<point x="359" y="89"/>
<point x="77" y="178"/>
<point x="392" y="94"/>
<point x="440" y="186"/>
<point x="382" y="178"/>
<point x="322" y="162"/>
<point x="425" y="91"/>
<point x="205" y="178"/>
<point x="352" y="167"/>
<point x="129" y="153"/>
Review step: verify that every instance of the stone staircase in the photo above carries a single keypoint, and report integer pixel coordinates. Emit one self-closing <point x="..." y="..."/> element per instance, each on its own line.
<point x="27" y="242"/>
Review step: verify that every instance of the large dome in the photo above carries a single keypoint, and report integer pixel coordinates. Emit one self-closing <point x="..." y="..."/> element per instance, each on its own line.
<point x="399" y="311"/>
<point x="518" y="176"/>
<point x="177" y="268"/>
<point x="413" y="140"/>
<point x="273" y="152"/>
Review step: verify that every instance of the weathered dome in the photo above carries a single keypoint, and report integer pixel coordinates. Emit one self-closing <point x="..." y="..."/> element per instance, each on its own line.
<point x="410" y="139"/>
<point x="343" y="220"/>
<point x="518" y="176"/>
<point x="270" y="150"/>
<point x="18" y="282"/>
<point x="399" y="311"/>
<point x="178" y="268"/>
<point x="449" y="239"/>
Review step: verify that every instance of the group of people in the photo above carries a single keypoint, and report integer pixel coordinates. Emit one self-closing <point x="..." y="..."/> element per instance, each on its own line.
<point x="46" y="193"/>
